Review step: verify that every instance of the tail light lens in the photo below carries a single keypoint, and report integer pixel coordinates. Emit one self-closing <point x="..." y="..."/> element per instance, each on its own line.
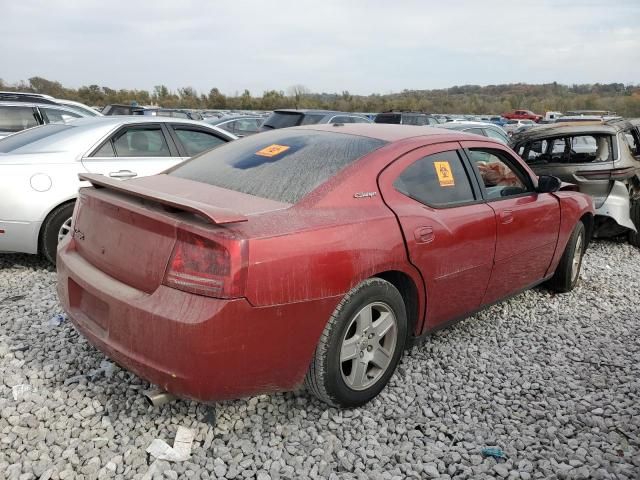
<point x="214" y="268"/>
<point x="613" y="174"/>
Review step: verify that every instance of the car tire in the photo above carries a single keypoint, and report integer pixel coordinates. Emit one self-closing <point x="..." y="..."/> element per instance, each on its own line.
<point x="367" y="329"/>
<point x="634" y="213"/>
<point x="568" y="271"/>
<point x="53" y="226"/>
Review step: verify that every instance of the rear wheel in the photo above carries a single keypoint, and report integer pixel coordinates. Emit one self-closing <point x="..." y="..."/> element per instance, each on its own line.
<point x="360" y="346"/>
<point x="55" y="227"/>
<point x="568" y="271"/>
<point x="634" y="237"/>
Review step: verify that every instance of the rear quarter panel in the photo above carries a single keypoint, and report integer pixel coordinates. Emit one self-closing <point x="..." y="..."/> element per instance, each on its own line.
<point x="573" y="206"/>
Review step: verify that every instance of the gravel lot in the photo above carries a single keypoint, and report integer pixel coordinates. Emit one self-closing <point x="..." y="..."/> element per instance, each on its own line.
<point x="552" y="380"/>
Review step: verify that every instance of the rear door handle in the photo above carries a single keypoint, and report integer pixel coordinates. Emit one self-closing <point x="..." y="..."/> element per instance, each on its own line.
<point x="424" y="234"/>
<point x="506" y="216"/>
<point x="123" y="174"/>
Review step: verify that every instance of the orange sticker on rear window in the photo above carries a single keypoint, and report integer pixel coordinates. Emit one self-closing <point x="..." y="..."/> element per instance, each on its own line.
<point x="445" y="176"/>
<point x="272" y="150"/>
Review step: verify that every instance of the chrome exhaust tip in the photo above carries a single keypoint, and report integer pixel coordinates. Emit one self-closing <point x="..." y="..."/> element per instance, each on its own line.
<point x="157" y="398"/>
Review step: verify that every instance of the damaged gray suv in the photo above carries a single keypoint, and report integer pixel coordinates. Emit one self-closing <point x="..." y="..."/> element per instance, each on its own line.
<point x="602" y="159"/>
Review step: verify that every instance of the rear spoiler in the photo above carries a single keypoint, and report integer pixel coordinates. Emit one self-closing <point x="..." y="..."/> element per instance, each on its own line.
<point x="215" y="215"/>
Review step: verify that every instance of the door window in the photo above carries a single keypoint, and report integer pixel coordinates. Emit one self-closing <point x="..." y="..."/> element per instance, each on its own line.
<point x="196" y="141"/>
<point x="499" y="177"/>
<point x="437" y="180"/>
<point x="15" y="119"/>
<point x="55" y="115"/>
<point x="141" y="142"/>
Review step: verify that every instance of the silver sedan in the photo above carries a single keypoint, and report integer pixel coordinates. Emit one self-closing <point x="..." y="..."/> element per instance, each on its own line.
<point x="39" y="169"/>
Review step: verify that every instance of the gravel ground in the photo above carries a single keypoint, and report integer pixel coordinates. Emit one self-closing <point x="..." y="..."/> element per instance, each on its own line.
<point x="552" y="380"/>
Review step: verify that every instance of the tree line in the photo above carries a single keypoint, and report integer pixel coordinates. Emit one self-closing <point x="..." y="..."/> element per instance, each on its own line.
<point x="468" y="99"/>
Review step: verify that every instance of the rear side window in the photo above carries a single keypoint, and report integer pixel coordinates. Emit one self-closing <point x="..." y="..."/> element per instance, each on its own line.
<point x="21" y="139"/>
<point x="196" y="141"/>
<point x="55" y="115"/>
<point x="571" y="149"/>
<point x="283" y="165"/>
<point x="14" y="119"/>
<point x="436" y="180"/>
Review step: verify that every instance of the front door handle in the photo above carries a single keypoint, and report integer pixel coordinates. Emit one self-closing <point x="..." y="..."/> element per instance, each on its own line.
<point x="424" y="234"/>
<point x="123" y="174"/>
<point x="506" y="217"/>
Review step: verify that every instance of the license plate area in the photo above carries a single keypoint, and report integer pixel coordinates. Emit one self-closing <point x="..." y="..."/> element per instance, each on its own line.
<point x="93" y="311"/>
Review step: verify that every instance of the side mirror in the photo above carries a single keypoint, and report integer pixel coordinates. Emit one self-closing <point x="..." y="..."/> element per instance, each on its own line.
<point x="548" y="184"/>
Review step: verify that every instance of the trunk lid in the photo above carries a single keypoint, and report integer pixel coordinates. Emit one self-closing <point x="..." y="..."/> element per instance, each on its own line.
<point x="128" y="229"/>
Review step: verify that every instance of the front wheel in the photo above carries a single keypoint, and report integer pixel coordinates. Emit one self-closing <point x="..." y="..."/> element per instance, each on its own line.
<point x="361" y="345"/>
<point x="568" y="271"/>
<point x="56" y="226"/>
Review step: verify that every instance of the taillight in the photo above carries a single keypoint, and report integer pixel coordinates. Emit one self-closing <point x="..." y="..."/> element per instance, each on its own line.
<point x="215" y="268"/>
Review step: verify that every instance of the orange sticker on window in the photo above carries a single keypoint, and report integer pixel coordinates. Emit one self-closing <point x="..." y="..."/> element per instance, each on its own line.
<point x="445" y="176"/>
<point x="272" y="150"/>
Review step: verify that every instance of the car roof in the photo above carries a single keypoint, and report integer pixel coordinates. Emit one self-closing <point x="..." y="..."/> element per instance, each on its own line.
<point x="125" y="119"/>
<point x="304" y="110"/>
<point x="470" y="124"/>
<point x="554" y="130"/>
<point x="386" y="131"/>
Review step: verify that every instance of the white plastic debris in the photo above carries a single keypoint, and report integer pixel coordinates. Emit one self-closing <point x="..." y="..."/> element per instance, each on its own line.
<point x="180" y="451"/>
<point x="18" y="391"/>
<point x="56" y="320"/>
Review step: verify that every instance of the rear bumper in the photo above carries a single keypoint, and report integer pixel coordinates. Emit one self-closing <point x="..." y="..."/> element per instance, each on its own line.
<point x="618" y="206"/>
<point x="190" y="345"/>
<point x="19" y="236"/>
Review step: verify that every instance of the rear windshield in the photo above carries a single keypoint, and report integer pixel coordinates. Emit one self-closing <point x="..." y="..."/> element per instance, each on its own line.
<point x="19" y="140"/>
<point x="283" y="120"/>
<point x="388" y="118"/>
<point x="282" y="165"/>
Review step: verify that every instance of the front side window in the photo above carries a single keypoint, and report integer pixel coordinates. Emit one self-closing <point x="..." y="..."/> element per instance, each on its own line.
<point x="359" y="120"/>
<point x="141" y="142"/>
<point x="196" y="141"/>
<point x="55" y="115"/>
<point x="436" y="180"/>
<point x="499" y="177"/>
<point x="15" y="119"/>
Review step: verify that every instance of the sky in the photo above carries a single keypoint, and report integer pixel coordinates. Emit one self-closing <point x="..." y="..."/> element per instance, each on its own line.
<point x="363" y="46"/>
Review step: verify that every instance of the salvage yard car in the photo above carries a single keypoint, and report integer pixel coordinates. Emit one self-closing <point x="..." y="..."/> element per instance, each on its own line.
<point x="312" y="254"/>
<point x="284" y="118"/>
<point x="39" y="169"/>
<point x="603" y="160"/>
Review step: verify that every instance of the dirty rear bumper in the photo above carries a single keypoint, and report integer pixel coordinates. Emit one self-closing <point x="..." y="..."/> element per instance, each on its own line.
<point x="192" y="346"/>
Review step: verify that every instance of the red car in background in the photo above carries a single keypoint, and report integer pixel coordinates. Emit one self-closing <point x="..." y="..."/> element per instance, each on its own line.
<point x="312" y="254"/>
<point x="522" y="115"/>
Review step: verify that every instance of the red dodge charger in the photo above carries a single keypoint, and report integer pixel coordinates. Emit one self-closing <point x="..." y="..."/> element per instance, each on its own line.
<point x="310" y="254"/>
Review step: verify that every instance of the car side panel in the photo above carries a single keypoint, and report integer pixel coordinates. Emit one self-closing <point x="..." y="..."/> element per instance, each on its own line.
<point x="573" y="206"/>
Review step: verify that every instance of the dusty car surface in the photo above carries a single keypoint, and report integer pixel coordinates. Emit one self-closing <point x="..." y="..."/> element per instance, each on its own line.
<point x="312" y="254"/>
<point x="603" y="160"/>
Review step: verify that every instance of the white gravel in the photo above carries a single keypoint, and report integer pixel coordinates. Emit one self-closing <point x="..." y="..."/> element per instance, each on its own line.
<point x="553" y="380"/>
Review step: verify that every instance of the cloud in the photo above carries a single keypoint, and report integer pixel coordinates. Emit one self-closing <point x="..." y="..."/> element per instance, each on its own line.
<point x="360" y="46"/>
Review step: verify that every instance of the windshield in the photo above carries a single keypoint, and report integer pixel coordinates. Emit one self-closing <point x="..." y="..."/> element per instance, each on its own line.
<point x="282" y="165"/>
<point x="19" y="140"/>
<point x="283" y="119"/>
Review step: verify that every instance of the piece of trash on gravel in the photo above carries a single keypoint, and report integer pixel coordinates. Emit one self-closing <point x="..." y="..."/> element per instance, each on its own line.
<point x="180" y="451"/>
<point x="56" y="320"/>
<point x="493" y="452"/>
<point x="18" y="391"/>
<point x="15" y="298"/>
<point x="105" y="367"/>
